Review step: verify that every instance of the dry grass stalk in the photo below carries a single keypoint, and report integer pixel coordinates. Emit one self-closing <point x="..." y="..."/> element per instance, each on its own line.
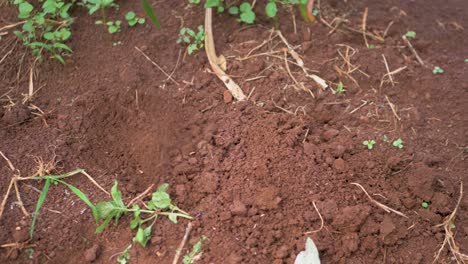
<point x="364" y="22"/>
<point x="449" y="239"/>
<point x="392" y="106"/>
<point x="389" y="73"/>
<point x="157" y="65"/>
<point x="383" y="206"/>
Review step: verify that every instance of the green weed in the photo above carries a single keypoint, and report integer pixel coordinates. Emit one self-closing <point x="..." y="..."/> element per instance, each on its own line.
<point x="132" y="19"/>
<point x="124" y="256"/>
<point x="410" y="34"/>
<point x="95" y="5"/>
<point x="58" y="179"/>
<point x="45" y="28"/>
<point x="112" y="26"/>
<point x="149" y="11"/>
<point x="424" y="205"/>
<point x="160" y="205"/>
<point x="437" y="70"/>
<point x="369" y="143"/>
<point x="340" y="88"/>
<point x="195" y="40"/>
<point x="244" y="11"/>
<point x="398" y="143"/>
<point x="196" y="250"/>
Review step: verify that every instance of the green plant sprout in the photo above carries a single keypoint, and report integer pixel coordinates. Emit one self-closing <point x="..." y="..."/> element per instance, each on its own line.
<point x="95" y="5"/>
<point x="46" y="28"/>
<point x="160" y="205"/>
<point x="410" y="34"/>
<point x="112" y="26"/>
<point x="132" y="19"/>
<point x="437" y="70"/>
<point x="196" y="251"/>
<point x="195" y="40"/>
<point x="340" y="88"/>
<point x="369" y="143"/>
<point x="149" y="11"/>
<point x="245" y="10"/>
<point x="398" y="143"/>
<point x="270" y="9"/>
<point x="371" y="46"/>
<point x="424" y="205"/>
<point x="124" y="256"/>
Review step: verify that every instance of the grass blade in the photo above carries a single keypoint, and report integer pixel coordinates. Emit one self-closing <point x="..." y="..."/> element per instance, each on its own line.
<point x="149" y="11"/>
<point x="84" y="198"/>
<point x="39" y="204"/>
<point x="104" y="224"/>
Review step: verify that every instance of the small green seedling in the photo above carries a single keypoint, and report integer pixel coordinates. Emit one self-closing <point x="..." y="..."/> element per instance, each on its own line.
<point x="410" y="34"/>
<point x="30" y="252"/>
<point x="437" y="70"/>
<point x="340" y="88"/>
<point x="95" y="5"/>
<point x="196" y="251"/>
<point x="195" y="40"/>
<point x="124" y="256"/>
<point x="112" y="26"/>
<point x="245" y="10"/>
<point x="132" y="19"/>
<point x="371" y="46"/>
<point x="424" y="205"/>
<point x="369" y="143"/>
<point x="159" y="205"/>
<point x="398" y="143"/>
<point x="271" y="9"/>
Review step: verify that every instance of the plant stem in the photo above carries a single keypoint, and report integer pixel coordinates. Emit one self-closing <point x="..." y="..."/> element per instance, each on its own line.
<point x="103" y="13"/>
<point x="186" y="215"/>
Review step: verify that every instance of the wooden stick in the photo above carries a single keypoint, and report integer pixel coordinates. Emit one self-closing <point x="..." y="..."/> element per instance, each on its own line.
<point x="182" y="243"/>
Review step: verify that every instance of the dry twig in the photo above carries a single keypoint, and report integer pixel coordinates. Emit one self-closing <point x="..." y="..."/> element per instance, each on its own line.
<point x="182" y="243"/>
<point x="410" y="46"/>
<point x="449" y="239"/>
<point x="383" y="206"/>
<point x="157" y="65"/>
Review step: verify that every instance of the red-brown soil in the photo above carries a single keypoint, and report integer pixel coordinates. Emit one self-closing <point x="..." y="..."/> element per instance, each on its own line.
<point x="249" y="172"/>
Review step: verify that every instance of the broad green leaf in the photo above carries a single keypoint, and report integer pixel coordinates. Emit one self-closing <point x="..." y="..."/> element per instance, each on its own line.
<point x="49" y="35"/>
<point x="173" y="218"/>
<point x="106" y="209"/>
<point x="245" y="7"/>
<point x="163" y="187"/>
<point x="233" y="10"/>
<point x="271" y="9"/>
<point x="29" y="26"/>
<point x="130" y="15"/>
<point x="116" y="194"/>
<point x="25" y="9"/>
<point x="149" y="11"/>
<point x="248" y="17"/>
<point x="39" y="204"/>
<point x="161" y="200"/>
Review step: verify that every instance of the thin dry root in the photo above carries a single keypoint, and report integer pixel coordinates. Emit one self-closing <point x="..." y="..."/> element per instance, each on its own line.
<point x="449" y="239"/>
<point x="383" y="206"/>
<point x="321" y="221"/>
